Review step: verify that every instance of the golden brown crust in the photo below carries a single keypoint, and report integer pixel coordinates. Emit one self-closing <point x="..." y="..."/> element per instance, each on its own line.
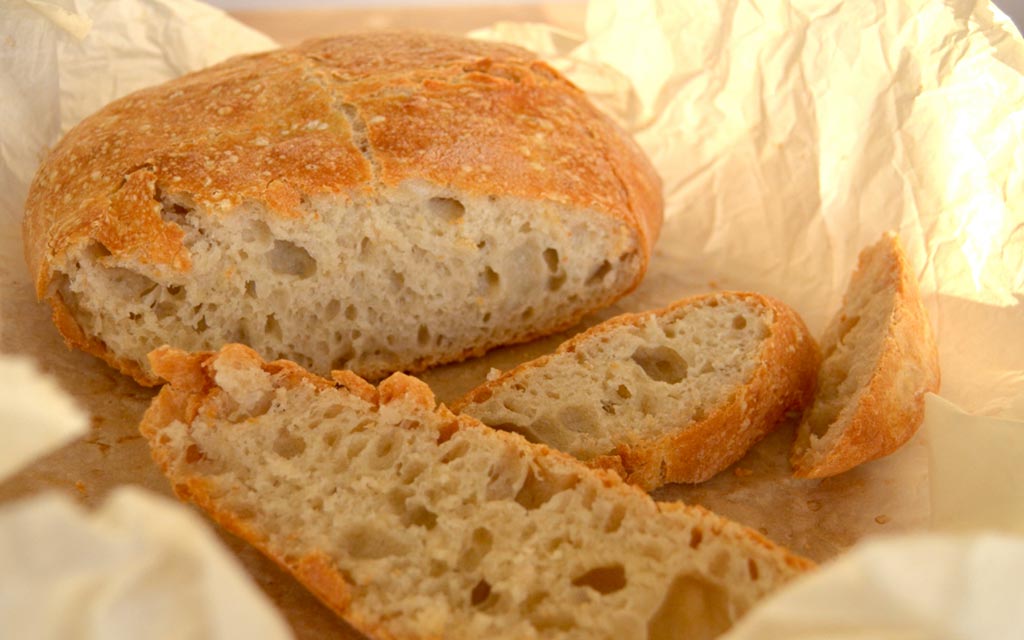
<point x="694" y="452"/>
<point x="891" y="408"/>
<point x="276" y="128"/>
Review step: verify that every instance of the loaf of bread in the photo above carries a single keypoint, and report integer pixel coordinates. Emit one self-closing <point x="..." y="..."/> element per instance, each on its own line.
<point x="879" y="361"/>
<point x="371" y="202"/>
<point x="412" y="522"/>
<point x="674" y="395"/>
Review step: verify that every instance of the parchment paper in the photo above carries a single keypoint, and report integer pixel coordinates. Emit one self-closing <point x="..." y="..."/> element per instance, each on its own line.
<point x="789" y="135"/>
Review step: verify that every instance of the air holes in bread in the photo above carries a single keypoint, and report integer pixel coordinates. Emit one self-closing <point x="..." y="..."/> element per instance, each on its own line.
<point x="288" y="258"/>
<point x="419" y="516"/>
<point x="193" y="454"/>
<point x="661" y="364"/>
<point x="503" y="478"/>
<point x="174" y="212"/>
<point x="331" y="310"/>
<point x="600" y="273"/>
<point x="342" y="359"/>
<point x="489" y="281"/>
<point x="455" y="451"/>
<point x="366" y="247"/>
<point x="479" y="546"/>
<point x="580" y="418"/>
<point x="739" y="323"/>
<point x="288" y="446"/>
<point x="371" y="543"/>
<point x="615" y="518"/>
<point x="693" y="609"/>
<point x="752" y="568"/>
<point x="134" y="285"/>
<point x="94" y="251"/>
<point x="551" y="259"/>
<point x="537" y="490"/>
<point x="423" y="335"/>
<point x="696" y="537"/>
<point x="603" y="580"/>
<point x="480" y="593"/>
<point x="271" y="327"/>
<point x="330" y="439"/>
<point x="624" y="392"/>
<point x="411" y="470"/>
<point x="448" y="209"/>
<point x="385" y="451"/>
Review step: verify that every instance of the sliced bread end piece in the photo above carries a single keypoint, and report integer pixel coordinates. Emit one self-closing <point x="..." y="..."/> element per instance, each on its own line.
<point x="674" y="395"/>
<point x="411" y="522"/>
<point x="879" y="361"/>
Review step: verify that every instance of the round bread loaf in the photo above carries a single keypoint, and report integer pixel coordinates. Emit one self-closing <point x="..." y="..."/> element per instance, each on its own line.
<point x="370" y="202"/>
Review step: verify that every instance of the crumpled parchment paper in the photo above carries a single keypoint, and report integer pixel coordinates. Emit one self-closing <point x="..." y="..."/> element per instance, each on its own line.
<point x="914" y="587"/>
<point x="61" y="60"/>
<point x="35" y="415"/>
<point x="138" y="567"/>
<point x="789" y="134"/>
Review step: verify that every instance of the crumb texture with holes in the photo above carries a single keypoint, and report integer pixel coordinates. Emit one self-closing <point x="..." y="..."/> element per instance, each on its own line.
<point x="412" y="522"/>
<point x="674" y="395"/>
<point x="371" y="202"/>
<point x="879" y="361"/>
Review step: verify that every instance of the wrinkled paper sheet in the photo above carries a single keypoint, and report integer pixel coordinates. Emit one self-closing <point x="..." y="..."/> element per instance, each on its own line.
<point x="140" y="566"/>
<point x="789" y="134"/>
<point x="35" y="415"/>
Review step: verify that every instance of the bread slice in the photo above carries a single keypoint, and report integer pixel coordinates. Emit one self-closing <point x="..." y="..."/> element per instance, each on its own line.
<point x="412" y="522"/>
<point x="372" y="202"/>
<point x="674" y="395"/>
<point x="879" y="361"/>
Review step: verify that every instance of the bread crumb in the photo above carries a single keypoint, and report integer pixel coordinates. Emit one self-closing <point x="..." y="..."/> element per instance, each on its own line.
<point x="493" y="374"/>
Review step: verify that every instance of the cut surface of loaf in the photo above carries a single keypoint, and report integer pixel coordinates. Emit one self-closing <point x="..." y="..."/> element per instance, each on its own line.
<point x="372" y="202"/>
<point x="879" y="361"/>
<point x="674" y="395"/>
<point x="412" y="522"/>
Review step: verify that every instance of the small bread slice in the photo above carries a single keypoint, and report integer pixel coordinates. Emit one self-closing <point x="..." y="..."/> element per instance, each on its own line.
<point x="412" y="522"/>
<point x="879" y="361"/>
<point x="674" y="395"/>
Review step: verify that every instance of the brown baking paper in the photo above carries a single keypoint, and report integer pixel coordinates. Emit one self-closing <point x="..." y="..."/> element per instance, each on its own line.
<point x="789" y="135"/>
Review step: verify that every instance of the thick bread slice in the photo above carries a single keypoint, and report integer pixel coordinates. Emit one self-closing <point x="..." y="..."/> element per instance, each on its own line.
<point x="879" y="361"/>
<point x="411" y="522"/>
<point x="373" y="202"/>
<point x="674" y="395"/>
